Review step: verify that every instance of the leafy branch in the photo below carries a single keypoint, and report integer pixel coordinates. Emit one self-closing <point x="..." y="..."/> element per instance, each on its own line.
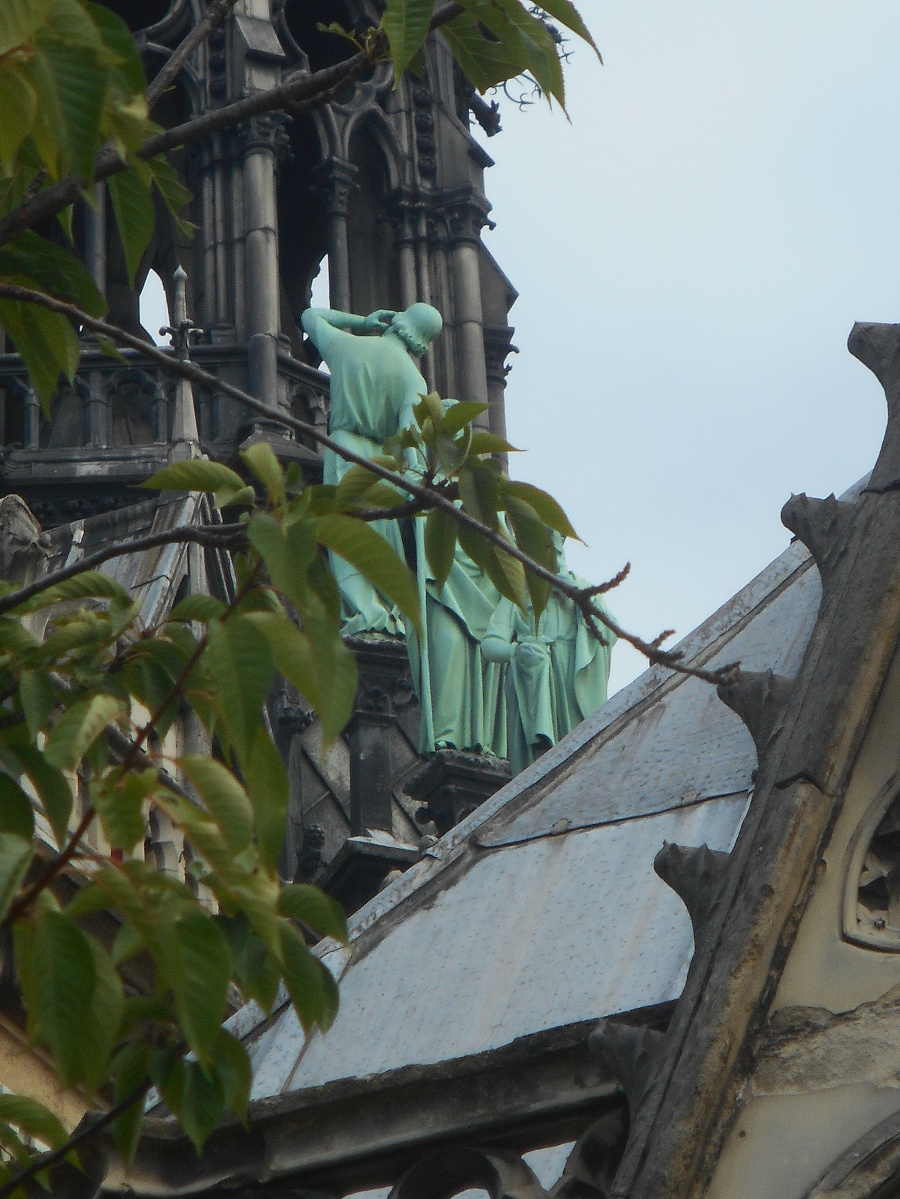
<point x="429" y="497"/>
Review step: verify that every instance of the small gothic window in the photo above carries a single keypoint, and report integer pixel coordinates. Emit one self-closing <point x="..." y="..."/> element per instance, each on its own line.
<point x="872" y="895"/>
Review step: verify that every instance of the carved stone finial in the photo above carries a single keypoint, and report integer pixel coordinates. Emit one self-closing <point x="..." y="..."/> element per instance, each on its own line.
<point x="760" y="699"/>
<point x="630" y="1053"/>
<point x="878" y="347"/>
<point x="822" y="527"/>
<point x="695" y="874"/>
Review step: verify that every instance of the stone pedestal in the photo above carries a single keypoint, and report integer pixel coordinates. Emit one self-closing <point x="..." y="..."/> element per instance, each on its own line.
<point x="453" y="784"/>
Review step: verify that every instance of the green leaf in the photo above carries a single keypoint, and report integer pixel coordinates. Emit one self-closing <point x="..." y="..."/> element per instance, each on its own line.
<point x="52" y="787"/>
<point x="120" y="806"/>
<point x="224" y="798"/>
<point x="77" y="999"/>
<point x="547" y="508"/>
<point x="19" y="20"/>
<point x="197" y="964"/>
<point x="374" y="558"/>
<point x="256" y="972"/>
<point x="130" y="1069"/>
<point x="80" y="80"/>
<point x="235" y="1074"/>
<point x="267" y="782"/>
<point x="490" y="443"/>
<point x="173" y="192"/>
<point x="242" y="665"/>
<point x="38" y="263"/>
<point x="485" y="62"/>
<point x="76" y="731"/>
<point x="262" y="461"/>
<point x="93" y="584"/>
<point x="198" y="607"/>
<point x="315" y="909"/>
<point x="133" y="206"/>
<point x="18" y="103"/>
<point x="352" y="486"/>
<point x="16" y="812"/>
<point x="311" y="988"/>
<point x="288" y="553"/>
<point x="479" y="493"/>
<point x="38" y="699"/>
<point x="294" y="652"/>
<point x="119" y="38"/>
<point x="440" y="544"/>
<point x="33" y="1119"/>
<point x="533" y="537"/>
<point x="195" y="1098"/>
<point x="406" y="24"/>
<point x="15" y="858"/>
<point x="567" y="14"/>
<point x="194" y="474"/>
<point x="47" y="343"/>
<point x="460" y="414"/>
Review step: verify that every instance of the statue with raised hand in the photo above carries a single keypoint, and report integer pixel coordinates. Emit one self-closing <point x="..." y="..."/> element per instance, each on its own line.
<point x="557" y="672"/>
<point x="375" y="385"/>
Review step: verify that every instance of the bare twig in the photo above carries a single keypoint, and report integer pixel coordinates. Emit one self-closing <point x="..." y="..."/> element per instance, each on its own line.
<point x="215" y="15"/>
<point x="610" y="584"/>
<point x="47" y="1160"/>
<point x="209" y="535"/>
<point x="428" y="497"/>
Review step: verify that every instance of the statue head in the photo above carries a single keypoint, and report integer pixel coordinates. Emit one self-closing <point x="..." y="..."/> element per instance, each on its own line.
<point x="417" y="327"/>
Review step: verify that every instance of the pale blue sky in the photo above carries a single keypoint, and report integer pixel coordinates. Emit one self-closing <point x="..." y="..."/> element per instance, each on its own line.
<point x="691" y="252"/>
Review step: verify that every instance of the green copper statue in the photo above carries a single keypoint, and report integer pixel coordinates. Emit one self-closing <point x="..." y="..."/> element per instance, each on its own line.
<point x="461" y="694"/>
<point x="374" y="387"/>
<point x="556" y="674"/>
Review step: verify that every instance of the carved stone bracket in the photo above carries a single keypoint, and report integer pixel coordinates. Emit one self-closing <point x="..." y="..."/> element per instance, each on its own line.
<point x="695" y="874"/>
<point x="591" y="1166"/>
<point x="336" y="181"/>
<point x="760" y="699"/>
<point x="878" y="347"/>
<point x="453" y="784"/>
<point x="446" y="1173"/>
<point x="822" y="526"/>
<point x="630" y="1053"/>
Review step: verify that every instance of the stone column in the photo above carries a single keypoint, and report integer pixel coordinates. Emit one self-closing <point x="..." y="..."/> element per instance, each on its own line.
<point x="497" y="348"/>
<point x="466" y="217"/>
<point x="95" y="237"/>
<point x="337" y="180"/>
<point x="264" y="139"/>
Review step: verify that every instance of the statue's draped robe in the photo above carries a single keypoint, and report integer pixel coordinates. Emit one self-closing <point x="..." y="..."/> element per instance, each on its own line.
<point x="555" y="683"/>
<point x="461" y="694"/>
<point x="374" y="385"/>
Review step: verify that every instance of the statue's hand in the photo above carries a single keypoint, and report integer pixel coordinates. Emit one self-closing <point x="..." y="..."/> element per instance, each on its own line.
<point x="380" y="319"/>
<point x="529" y="654"/>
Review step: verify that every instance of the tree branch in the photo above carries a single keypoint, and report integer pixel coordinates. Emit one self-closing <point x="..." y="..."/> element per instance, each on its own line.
<point x="47" y="1160"/>
<point x="303" y="92"/>
<point x="300" y="92"/>
<point x="216" y="536"/>
<point x="215" y="15"/>
<point x="429" y="497"/>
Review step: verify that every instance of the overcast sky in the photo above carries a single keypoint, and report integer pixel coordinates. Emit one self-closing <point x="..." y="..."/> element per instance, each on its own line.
<point x="691" y="252"/>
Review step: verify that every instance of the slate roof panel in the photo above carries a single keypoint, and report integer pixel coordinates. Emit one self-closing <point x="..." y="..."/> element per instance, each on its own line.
<point x="542" y="908"/>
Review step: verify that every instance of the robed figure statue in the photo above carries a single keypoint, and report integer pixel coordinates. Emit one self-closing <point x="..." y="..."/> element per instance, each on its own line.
<point x="461" y="693"/>
<point x="556" y="673"/>
<point x="375" y="385"/>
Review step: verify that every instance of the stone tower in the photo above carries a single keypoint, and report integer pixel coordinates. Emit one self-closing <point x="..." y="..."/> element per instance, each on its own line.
<point x="384" y="190"/>
<point x="385" y="186"/>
